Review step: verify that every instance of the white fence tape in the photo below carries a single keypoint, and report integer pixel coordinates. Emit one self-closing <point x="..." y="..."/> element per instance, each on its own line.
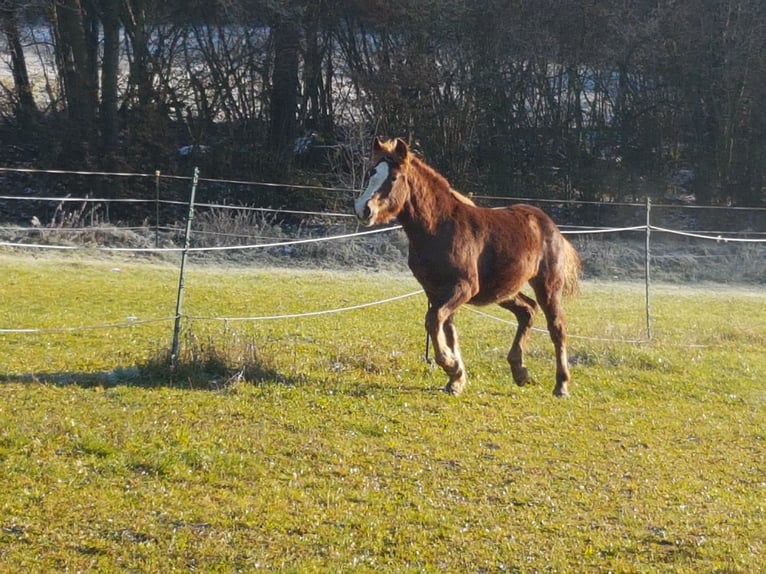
<point x="719" y="238"/>
<point x="198" y="249"/>
<point x="128" y="323"/>
<point x="307" y="313"/>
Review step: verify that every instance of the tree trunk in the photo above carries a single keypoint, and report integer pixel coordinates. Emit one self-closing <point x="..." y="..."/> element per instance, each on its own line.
<point x="312" y="74"/>
<point x="26" y="109"/>
<point x="284" y="95"/>
<point x="109" y="71"/>
<point x="139" y="82"/>
<point x="75" y="70"/>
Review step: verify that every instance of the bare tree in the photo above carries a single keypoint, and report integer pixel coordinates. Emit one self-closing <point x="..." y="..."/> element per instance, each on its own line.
<point x="77" y="72"/>
<point x="110" y="17"/>
<point x="25" y="107"/>
<point x="284" y="92"/>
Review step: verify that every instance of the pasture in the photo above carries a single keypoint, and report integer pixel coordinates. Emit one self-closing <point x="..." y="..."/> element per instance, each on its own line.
<point x="323" y="443"/>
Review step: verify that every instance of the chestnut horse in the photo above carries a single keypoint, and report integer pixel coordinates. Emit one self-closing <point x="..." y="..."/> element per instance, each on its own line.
<point x="461" y="253"/>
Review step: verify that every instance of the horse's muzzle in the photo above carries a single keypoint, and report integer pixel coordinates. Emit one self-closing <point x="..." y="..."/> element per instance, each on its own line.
<point x="363" y="213"/>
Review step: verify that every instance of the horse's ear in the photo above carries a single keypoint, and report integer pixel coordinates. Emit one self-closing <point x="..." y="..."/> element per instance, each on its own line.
<point x="402" y="150"/>
<point x="377" y="144"/>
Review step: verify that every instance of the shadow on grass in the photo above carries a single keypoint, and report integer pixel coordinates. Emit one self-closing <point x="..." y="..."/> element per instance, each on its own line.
<point x="148" y="376"/>
<point x="214" y="363"/>
<point x="217" y="364"/>
<point x="197" y="368"/>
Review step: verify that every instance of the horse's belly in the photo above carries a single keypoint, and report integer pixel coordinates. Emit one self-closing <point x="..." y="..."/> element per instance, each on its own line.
<point x="489" y="294"/>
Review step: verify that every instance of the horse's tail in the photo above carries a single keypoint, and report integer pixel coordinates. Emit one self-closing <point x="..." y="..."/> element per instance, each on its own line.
<point x="572" y="269"/>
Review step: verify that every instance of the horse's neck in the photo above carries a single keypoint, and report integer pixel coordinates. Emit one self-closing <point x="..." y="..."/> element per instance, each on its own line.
<point x="430" y="201"/>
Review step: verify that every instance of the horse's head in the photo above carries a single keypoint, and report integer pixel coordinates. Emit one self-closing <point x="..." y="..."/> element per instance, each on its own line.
<point x="387" y="188"/>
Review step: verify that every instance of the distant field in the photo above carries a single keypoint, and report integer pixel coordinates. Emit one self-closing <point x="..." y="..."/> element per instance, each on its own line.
<point x="323" y="443"/>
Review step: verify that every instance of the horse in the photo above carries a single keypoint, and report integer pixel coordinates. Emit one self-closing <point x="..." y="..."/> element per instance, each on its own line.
<point x="462" y="253"/>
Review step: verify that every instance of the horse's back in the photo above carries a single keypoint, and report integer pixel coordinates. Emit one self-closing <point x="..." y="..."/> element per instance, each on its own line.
<point x="521" y="244"/>
<point x="520" y="228"/>
<point x="559" y="264"/>
<point x="530" y="215"/>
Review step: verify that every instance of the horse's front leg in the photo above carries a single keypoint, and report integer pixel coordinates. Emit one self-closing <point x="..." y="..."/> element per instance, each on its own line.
<point x="446" y="349"/>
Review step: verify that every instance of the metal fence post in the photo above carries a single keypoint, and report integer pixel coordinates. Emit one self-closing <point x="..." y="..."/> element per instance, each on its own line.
<point x="647" y="266"/>
<point x="181" y="278"/>
<point x="426" y="356"/>
<point x="157" y="209"/>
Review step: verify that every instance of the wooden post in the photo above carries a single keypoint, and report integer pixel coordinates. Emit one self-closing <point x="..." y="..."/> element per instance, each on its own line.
<point x="181" y="278"/>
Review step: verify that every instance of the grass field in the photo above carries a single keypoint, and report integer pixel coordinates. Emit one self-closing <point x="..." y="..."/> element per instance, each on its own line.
<point x="323" y="443"/>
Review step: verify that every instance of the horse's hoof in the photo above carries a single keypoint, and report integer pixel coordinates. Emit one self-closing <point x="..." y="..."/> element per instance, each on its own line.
<point x="561" y="393"/>
<point x="521" y="376"/>
<point x="528" y="382"/>
<point x="454" y="389"/>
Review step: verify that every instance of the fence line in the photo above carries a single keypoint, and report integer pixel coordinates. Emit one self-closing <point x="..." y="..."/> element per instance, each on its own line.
<point x="69" y="199"/>
<point x="614" y="203"/>
<point x="198" y="249"/>
<point x="596" y="231"/>
<point x="44" y="229"/>
<point x="280" y="185"/>
<point x="86" y="173"/>
<point x="647" y="228"/>
<point x="307" y="313"/>
<point x="129" y="323"/>
<point x="273" y="210"/>
<point x="136" y="322"/>
<point x="569" y="335"/>
<point x="717" y="238"/>
<point x="157" y="175"/>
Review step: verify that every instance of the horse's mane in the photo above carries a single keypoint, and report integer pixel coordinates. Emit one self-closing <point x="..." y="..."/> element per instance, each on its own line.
<point x="462" y="198"/>
<point x="436" y="180"/>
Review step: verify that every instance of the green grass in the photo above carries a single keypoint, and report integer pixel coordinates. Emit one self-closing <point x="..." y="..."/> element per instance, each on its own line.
<point x="324" y="444"/>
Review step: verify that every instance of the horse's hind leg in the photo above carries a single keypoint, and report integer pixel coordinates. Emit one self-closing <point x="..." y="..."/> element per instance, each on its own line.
<point x="549" y="298"/>
<point x="524" y="308"/>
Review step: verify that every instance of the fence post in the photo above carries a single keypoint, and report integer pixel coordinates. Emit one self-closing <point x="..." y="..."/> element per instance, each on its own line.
<point x="181" y="278"/>
<point x="157" y="209"/>
<point x="647" y="265"/>
<point x="426" y="356"/>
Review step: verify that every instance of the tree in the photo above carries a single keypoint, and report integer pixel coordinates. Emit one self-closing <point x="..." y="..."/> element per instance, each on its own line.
<point x="24" y="102"/>
<point x="284" y="93"/>
<point x="714" y="62"/>
<point x="110" y="17"/>
<point x="135" y="19"/>
<point x="316" y="102"/>
<point x="77" y="70"/>
<point x="506" y="97"/>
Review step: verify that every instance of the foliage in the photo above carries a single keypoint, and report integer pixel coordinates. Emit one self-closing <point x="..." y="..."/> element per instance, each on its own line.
<point x="323" y="443"/>
<point x="594" y="100"/>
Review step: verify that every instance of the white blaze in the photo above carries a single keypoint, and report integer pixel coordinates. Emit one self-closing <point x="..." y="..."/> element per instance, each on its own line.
<point x="379" y="177"/>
